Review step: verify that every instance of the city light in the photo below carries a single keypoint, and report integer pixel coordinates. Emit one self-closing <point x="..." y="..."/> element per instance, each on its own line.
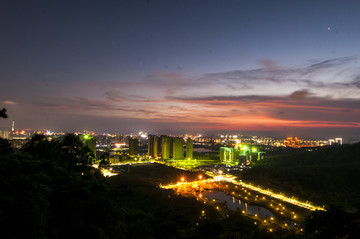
<point x="232" y="179"/>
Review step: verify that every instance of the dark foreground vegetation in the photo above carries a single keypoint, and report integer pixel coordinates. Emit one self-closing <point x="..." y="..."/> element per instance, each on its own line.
<point x="325" y="175"/>
<point x="48" y="190"/>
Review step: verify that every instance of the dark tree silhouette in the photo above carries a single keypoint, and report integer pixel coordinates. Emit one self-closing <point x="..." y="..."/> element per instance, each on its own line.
<point x="3" y="113"/>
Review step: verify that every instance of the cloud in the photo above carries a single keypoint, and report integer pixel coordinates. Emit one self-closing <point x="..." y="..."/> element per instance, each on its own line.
<point x="319" y="94"/>
<point x="269" y="65"/>
<point x="300" y="94"/>
<point x="8" y="102"/>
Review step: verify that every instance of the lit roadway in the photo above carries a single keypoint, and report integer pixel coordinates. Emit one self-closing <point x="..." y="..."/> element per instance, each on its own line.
<point x="232" y="179"/>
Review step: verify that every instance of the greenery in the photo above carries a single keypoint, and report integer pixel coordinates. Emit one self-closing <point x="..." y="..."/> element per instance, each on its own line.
<point x="49" y="190"/>
<point x="3" y="113"/>
<point x="325" y="175"/>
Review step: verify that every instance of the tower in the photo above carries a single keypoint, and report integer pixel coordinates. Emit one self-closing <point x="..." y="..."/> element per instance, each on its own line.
<point x="153" y="141"/>
<point x="133" y="146"/>
<point x="13" y="126"/>
<point x="178" y="148"/>
<point x="189" y="148"/>
<point x="165" y="148"/>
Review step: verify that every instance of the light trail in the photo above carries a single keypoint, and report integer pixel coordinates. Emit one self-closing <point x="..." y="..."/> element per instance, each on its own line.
<point x="104" y="172"/>
<point x="232" y="179"/>
<point x="225" y="178"/>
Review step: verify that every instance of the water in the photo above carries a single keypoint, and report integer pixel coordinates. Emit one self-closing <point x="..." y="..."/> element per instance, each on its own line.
<point x="234" y="203"/>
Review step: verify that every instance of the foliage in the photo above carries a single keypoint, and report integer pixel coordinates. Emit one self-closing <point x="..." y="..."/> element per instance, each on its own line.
<point x="3" y="113"/>
<point x="104" y="160"/>
<point x="334" y="223"/>
<point x="48" y="190"/>
<point x="326" y="175"/>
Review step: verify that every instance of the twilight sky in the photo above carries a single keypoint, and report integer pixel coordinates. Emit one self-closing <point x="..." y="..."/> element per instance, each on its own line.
<point x="248" y="66"/>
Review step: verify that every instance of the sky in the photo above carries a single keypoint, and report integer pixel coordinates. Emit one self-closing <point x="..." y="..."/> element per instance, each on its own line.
<point x="288" y="68"/>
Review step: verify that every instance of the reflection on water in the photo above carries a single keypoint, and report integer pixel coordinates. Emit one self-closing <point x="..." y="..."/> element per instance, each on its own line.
<point x="234" y="203"/>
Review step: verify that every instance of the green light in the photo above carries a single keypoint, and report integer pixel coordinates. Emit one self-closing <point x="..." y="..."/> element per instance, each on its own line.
<point x="86" y="136"/>
<point x="244" y="148"/>
<point x="254" y="150"/>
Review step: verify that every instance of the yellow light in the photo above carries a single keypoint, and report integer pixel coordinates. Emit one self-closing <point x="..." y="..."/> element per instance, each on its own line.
<point x="182" y="179"/>
<point x="200" y="177"/>
<point x="271" y="218"/>
<point x="243" y="211"/>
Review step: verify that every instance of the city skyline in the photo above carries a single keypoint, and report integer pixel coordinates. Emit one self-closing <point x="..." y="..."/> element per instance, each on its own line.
<point x="276" y="68"/>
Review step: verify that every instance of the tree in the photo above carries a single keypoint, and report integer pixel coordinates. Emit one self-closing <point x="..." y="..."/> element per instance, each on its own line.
<point x="5" y="146"/>
<point x="333" y="223"/>
<point x="75" y="152"/>
<point x="104" y="160"/>
<point x="3" y="113"/>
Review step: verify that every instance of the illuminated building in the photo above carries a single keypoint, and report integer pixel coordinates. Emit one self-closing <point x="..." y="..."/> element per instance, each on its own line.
<point x="133" y="146"/>
<point x="13" y="126"/>
<point x="338" y="141"/>
<point x="178" y="148"/>
<point x="189" y="148"/>
<point x="297" y="143"/>
<point x="4" y="134"/>
<point x="165" y="147"/>
<point x="153" y="141"/>
<point x="227" y="155"/>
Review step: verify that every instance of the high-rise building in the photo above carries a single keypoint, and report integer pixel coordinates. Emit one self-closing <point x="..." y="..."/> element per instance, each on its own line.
<point x="160" y="145"/>
<point x="227" y="155"/>
<point x="178" y="148"/>
<point x="133" y="146"/>
<point x="165" y="148"/>
<point x="153" y="141"/>
<point x="189" y="148"/>
<point x="338" y="141"/>
<point x="4" y="134"/>
<point x="13" y="126"/>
